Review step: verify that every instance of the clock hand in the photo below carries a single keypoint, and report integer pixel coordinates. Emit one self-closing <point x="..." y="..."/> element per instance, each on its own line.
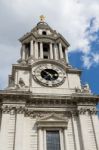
<point x="48" y="73"/>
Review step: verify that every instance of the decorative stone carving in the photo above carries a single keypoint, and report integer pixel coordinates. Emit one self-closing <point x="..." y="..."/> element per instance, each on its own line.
<point x="39" y="114"/>
<point x="87" y="111"/>
<point x="77" y="90"/>
<point x="21" y="82"/>
<point x="52" y="120"/>
<point x="86" y="88"/>
<point x="12" y="109"/>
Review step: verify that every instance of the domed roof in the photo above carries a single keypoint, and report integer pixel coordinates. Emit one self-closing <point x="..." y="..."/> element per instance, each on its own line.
<point x="41" y="27"/>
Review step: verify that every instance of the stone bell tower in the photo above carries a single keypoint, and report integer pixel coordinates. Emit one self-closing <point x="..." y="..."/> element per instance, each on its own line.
<point x="45" y="107"/>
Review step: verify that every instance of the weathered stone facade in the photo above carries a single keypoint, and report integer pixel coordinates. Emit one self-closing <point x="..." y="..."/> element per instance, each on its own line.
<point x="45" y="94"/>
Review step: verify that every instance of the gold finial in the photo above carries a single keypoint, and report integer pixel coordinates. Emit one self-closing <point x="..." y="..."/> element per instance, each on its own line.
<point x="42" y="18"/>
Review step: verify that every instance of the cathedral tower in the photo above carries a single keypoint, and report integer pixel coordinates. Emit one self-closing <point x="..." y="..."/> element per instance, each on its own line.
<point x="45" y="107"/>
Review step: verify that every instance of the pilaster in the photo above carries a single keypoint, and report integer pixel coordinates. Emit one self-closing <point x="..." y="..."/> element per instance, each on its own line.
<point x="4" y="131"/>
<point x="40" y="139"/>
<point x="95" y="121"/>
<point x="87" y="132"/>
<point x="76" y="130"/>
<point x="19" y="131"/>
<point x="66" y="144"/>
<point x="70" y="135"/>
<point x="61" y="139"/>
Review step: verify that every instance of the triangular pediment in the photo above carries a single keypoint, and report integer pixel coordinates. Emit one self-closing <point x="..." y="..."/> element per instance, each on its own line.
<point x="52" y="117"/>
<point x="53" y="120"/>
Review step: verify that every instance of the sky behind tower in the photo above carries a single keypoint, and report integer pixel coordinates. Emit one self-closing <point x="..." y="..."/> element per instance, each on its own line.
<point x="76" y="20"/>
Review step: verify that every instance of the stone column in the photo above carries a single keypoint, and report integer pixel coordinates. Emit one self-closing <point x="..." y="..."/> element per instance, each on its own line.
<point x="66" y="53"/>
<point x="76" y="130"/>
<point x="87" y="132"/>
<point x="41" y="50"/>
<point x="84" y="136"/>
<point x="61" y="139"/>
<point x="40" y="139"/>
<point x="19" y="131"/>
<point x="56" y="52"/>
<point x="31" y="48"/>
<point x="36" y="50"/>
<point x="60" y="50"/>
<point x="51" y="51"/>
<point x="23" y="52"/>
<point x="95" y="121"/>
<point x="4" y="131"/>
<point x="66" y="144"/>
<point x="70" y="135"/>
<point x="45" y="144"/>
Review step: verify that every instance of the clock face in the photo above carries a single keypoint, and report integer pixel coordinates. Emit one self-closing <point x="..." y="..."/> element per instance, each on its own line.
<point x="49" y="75"/>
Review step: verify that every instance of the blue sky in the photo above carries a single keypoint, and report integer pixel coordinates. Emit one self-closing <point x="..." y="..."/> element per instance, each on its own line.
<point x="76" y="20"/>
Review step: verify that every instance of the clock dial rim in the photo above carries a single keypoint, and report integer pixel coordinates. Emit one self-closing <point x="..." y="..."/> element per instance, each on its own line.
<point x="49" y="83"/>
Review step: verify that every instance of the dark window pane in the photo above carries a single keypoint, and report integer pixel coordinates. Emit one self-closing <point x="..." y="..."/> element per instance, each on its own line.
<point x="53" y="140"/>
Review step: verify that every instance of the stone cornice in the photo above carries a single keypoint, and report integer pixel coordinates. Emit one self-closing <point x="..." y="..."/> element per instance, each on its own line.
<point x="21" y="109"/>
<point x="15" y="96"/>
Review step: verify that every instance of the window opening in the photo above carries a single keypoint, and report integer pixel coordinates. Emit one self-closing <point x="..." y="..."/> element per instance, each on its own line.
<point x="44" y="32"/>
<point x="45" y="50"/>
<point x="53" y="140"/>
<point x="63" y="50"/>
<point x="28" y="49"/>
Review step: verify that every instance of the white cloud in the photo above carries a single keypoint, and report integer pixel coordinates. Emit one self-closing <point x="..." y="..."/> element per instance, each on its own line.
<point x="77" y="20"/>
<point x="70" y="17"/>
<point x="90" y="60"/>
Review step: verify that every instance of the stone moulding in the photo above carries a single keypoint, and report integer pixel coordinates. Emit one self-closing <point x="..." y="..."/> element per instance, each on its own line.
<point x="52" y="120"/>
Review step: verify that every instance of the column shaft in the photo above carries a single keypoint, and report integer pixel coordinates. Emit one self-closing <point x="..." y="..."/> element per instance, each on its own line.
<point x="76" y="131"/>
<point x="31" y="48"/>
<point x="4" y="131"/>
<point x="41" y="50"/>
<point x="56" y="52"/>
<point x="66" y="144"/>
<point x="45" y="144"/>
<point x="36" y="50"/>
<point x="95" y="121"/>
<point x="88" y="137"/>
<point x="19" y="132"/>
<point x="23" y="52"/>
<point x="40" y="138"/>
<point x="61" y="139"/>
<point x="51" y="51"/>
<point x="60" y="50"/>
<point x="66" y="52"/>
